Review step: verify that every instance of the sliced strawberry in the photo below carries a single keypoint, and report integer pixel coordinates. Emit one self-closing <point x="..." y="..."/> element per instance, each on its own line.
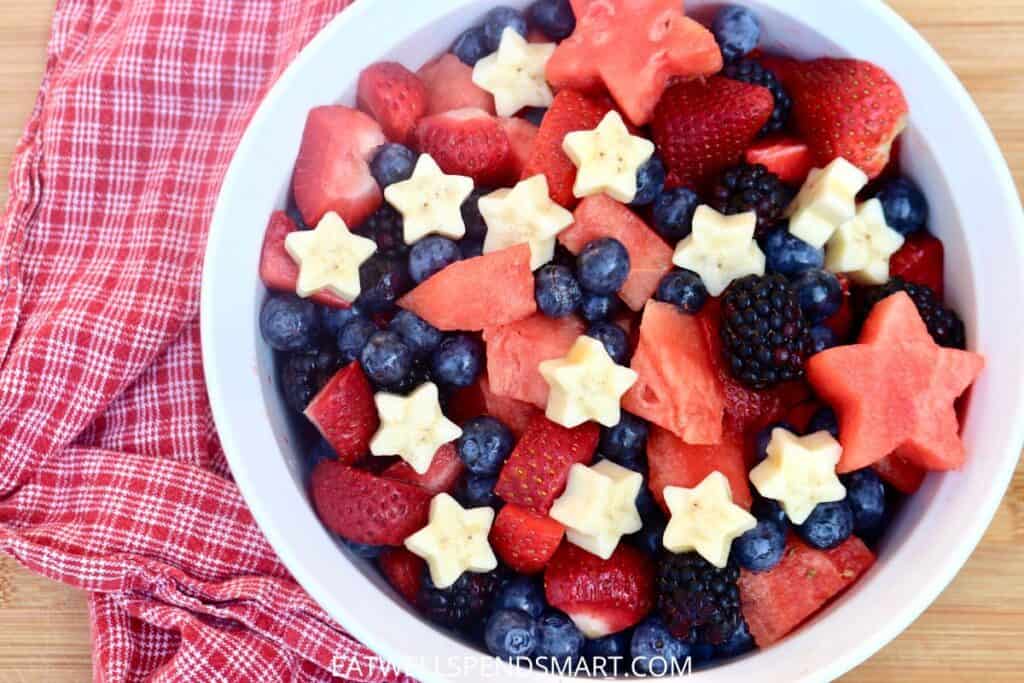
<point x="601" y="596"/>
<point x="521" y="134"/>
<point x="404" y="571"/>
<point x="902" y="475"/>
<point x="393" y="95"/>
<point x="467" y="142"/>
<point x="364" y="508"/>
<point x="921" y="261"/>
<point x="847" y="108"/>
<point x="703" y="127"/>
<point x="524" y="540"/>
<point x="789" y="158"/>
<point x="569" y="112"/>
<point x="345" y="413"/>
<point x="332" y="172"/>
<point x="441" y="477"/>
<point x="465" y="404"/>
<point x="450" y="86"/>
<point x="278" y="269"/>
<point x="536" y="472"/>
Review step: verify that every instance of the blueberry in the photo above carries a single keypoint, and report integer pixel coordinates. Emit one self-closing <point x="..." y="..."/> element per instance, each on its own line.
<point x="392" y="163"/>
<point x="471" y="248"/>
<point x="476" y="226"/>
<point x="363" y="550"/>
<point x="673" y="213"/>
<point x="824" y="420"/>
<point x="387" y="229"/>
<point x="522" y="593"/>
<point x="828" y="525"/>
<point x="761" y="548"/>
<point x="650" y="538"/>
<point x="510" y="633"/>
<point x="557" y="292"/>
<point x="822" y="339"/>
<point x="865" y="494"/>
<point x="559" y="640"/>
<point x="647" y="507"/>
<point x="603" y="266"/>
<point x="650" y="182"/>
<point x="386" y="359"/>
<point x="685" y="289"/>
<point x="354" y="337"/>
<point x="599" y="307"/>
<point x="628" y="438"/>
<point x="431" y="255"/>
<point x="500" y="18"/>
<point x="554" y="18"/>
<point x="471" y="46"/>
<point x="419" y="335"/>
<point x="655" y="650"/>
<point x="384" y="278"/>
<point x="739" y="643"/>
<point x="614" y="338"/>
<point x="289" y="323"/>
<point x="334" y="320"/>
<point x="321" y="452"/>
<point x="764" y="437"/>
<point x="737" y="31"/>
<point x="457" y="361"/>
<point x="820" y="294"/>
<point x="609" y="647"/>
<point x="303" y="375"/>
<point x="476" y="491"/>
<point x="485" y="444"/>
<point x="789" y="255"/>
<point x="768" y="509"/>
<point x="905" y="206"/>
<point x="535" y="115"/>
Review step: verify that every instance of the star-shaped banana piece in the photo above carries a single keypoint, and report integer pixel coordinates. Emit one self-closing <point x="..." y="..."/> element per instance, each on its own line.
<point x="607" y="159"/>
<point x="524" y="215"/>
<point x="826" y="201"/>
<point x="412" y="427"/>
<point x="863" y="246"/>
<point x="329" y="258"/>
<point x="430" y="201"/>
<point x="800" y="472"/>
<point x="586" y="384"/>
<point x="598" y="507"/>
<point x="515" y="74"/>
<point x="454" y="541"/>
<point x="704" y="519"/>
<point x="721" y="248"/>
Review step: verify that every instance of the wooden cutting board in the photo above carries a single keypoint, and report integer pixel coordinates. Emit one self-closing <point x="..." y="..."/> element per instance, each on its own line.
<point x="974" y="631"/>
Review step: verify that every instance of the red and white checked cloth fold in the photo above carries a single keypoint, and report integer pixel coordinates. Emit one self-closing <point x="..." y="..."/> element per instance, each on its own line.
<point x="111" y="475"/>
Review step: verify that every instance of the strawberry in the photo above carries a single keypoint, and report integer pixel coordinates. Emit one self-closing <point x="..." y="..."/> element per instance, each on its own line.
<point x="468" y="142"/>
<point x="441" y="477"/>
<point x="703" y="127"/>
<point x="450" y="86"/>
<point x="525" y="541"/>
<point x="466" y="403"/>
<point x="569" y="112"/>
<point x="345" y="413"/>
<point x="601" y="596"/>
<point x="536" y="472"/>
<point x="393" y="95"/>
<point x="841" y="322"/>
<point x="364" y="508"/>
<point x="332" y="171"/>
<point x="404" y="571"/>
<point x="846" y="108"/>
<point x="278" y="269"/>
<point x="920" y="260"/>
<point x="800" y="415"/>
<point x="788" y="158"/>
<point x="521" y="134"/>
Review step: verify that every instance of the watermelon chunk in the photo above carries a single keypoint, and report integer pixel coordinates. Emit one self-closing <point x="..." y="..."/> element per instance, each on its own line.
<point x="344" y="412"/>
<point x="514" y="352"/>
<point x="777" y="601"/>
<point x="900" y="474"/>
<point x="678" y="386"/>
<point x="450" y="86"/>
<point x="650" y="258"/>
<point x="514" y="414"/>
<point x="493" y="289"/>
<point x="675" y="463"/>
<point x="278" y="269"/>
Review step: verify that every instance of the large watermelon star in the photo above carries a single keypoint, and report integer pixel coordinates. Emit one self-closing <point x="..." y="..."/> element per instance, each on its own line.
<point x="895" y="390"/>
<point x="632" y="47"/>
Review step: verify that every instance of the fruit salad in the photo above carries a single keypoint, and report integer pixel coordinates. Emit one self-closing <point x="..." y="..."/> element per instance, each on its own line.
<point x="616" y="335"/>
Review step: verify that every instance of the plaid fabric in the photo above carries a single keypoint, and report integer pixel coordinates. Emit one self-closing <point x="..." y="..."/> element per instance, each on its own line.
<point x="111" y="476"/>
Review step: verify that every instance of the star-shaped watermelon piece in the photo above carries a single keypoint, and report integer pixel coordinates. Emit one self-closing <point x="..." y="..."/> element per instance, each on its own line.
<point x="663" y="43"/>
<point x="895" y="390"/>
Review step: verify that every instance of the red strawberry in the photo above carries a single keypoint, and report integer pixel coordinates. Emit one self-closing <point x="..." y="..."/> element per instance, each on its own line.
<point x="569" y="112"/>
<point x="601" y="596"/>
<point x="800" y="415"/>
<point x="521" y="134"/>
<point x="332" y="172"/>
<point x="468" y="142"/>
<point x="450" y="86"/>
<point x="393" y="95"/>
<point x="364" y="508"/>
<point x="345" y="413"/>
<point x="278" y="269"/>
<point x="847" y="108"/>
<point x="788" y="158"/>
<point x="921" y="261"/>
<point x="525" y="541"/>
<point x="404" y="571"/>
<point x="703" y="127"/>
<point x="441" y="477"/>
<point x="841" y="322"/>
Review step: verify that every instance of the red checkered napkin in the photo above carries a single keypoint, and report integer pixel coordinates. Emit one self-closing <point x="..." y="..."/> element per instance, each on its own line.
<point x="111" y="475"/>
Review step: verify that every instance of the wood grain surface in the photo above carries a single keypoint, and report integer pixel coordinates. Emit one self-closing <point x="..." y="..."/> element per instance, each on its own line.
<point x="974" y="632"/>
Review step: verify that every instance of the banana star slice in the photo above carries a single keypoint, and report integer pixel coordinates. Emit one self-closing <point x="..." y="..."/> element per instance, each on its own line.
<point x="705" y="520"/>
<point x="412" y="427"/>
<point x="826" y="201"/>
<point x="454" y="541"/>
<point x="524" y="214"/>
<point x="515" y="74"/>
<point x="607" y="159"/>
<point x="430" y="201"/>
<point x="586" y="384"/>
<point x="720" y="249"/>
<point x="598" y="507"/>
<point x="800" y="472"/>
<point x="864" y="245"/>
<point x="329" y="258"/>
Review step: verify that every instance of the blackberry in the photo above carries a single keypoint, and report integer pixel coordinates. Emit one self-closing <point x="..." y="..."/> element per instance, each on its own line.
<point x="764" y="335"/>
<point x="945" y="326"/>
<point x="752" y="187"/>
<point x="303" y="375"/>
<point x="754" y="73"/>
<point x="465" y="603"/>
<point x="698" y="602"/>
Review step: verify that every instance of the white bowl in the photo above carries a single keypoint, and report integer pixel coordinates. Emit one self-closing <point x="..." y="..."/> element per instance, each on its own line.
<point x="948" y="149"/>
